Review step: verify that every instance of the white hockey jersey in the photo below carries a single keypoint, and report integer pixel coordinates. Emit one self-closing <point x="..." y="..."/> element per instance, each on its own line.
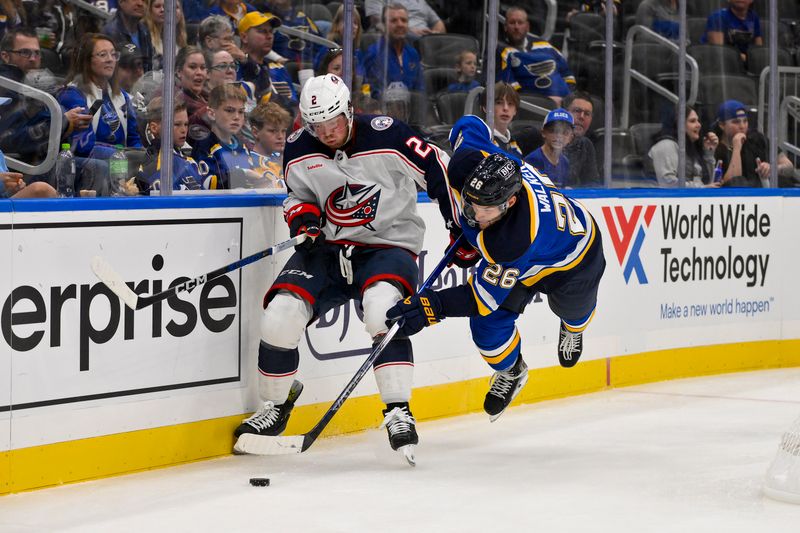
<point x="367" y="189"/>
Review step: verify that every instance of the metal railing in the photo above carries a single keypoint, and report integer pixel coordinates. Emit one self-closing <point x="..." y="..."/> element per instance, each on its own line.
<point x="790" y="107"/>
<point x="632" y="74"/>
<point x="54" y="136"/>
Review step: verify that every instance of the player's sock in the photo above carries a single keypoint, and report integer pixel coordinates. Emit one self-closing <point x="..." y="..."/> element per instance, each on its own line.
<point x="505" y="386"/>
<point x="271" y="419"/>
<point x="570" y="346"/>
<point x="400" y="425"/>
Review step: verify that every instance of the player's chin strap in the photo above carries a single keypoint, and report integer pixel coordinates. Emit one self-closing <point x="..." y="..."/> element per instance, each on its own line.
<point x="345" y="264"/>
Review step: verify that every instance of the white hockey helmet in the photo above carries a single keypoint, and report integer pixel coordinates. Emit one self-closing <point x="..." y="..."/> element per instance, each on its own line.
<point x="323" y="98"/>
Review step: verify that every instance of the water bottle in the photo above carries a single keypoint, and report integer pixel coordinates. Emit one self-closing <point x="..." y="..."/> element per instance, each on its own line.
<point x="718" y="172"/>
<point x="65" y="172"/>
<point x="118" y="171"/>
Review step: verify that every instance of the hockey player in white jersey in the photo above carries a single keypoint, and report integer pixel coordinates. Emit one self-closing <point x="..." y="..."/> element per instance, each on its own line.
<point x="352" y="188"/>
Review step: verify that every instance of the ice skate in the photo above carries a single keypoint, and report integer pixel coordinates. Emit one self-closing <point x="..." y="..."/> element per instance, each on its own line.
<point x="270" y="419"/>
<point x="570" y="346"/>
<point x="401" y="427"/>
<point x="505" y="386"/>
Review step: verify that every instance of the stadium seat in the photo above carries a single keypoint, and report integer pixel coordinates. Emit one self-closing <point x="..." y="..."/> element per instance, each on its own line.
<point x="318" y="12"/>
<point x="451" y="106"/>
<point x="642" y="135"/>
<point x="369" y="38"/>
<point x="625" y="163"/>
<point x="703" y="8"/>
<point x="441" y="49"/>
<point x="421" y="110"/>
<point x="714" y="59"/>
<point x="333" y="7"/>
<point x="787" y="9"/>
<point x="716" y="89"/>
<point x="537" y="100"/>
<point x="585" y="28"/>
<point x="758" y="59"/>
<point x="696" y="28"/>
<point x="437" y="80"/>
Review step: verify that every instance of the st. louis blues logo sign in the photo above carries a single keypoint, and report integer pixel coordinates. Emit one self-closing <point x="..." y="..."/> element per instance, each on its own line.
<point x="353" y="205"/>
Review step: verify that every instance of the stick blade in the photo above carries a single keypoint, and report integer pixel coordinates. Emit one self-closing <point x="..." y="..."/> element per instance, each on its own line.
<point x="113" y="281"/>
<point x="267" y="445"/>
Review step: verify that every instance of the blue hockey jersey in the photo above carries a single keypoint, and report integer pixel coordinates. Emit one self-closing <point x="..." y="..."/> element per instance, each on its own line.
<point x="544" y="232"/>
<point x="541" y="70"/>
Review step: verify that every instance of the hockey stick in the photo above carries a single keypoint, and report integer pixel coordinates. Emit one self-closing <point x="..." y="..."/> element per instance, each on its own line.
<point x="285" y="445"/>
<point x="106" y="273"/>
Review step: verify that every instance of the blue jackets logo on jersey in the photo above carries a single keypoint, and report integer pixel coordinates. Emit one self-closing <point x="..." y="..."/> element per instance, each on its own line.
<point x="353" y="205"/>
<point x="621" y="228"/>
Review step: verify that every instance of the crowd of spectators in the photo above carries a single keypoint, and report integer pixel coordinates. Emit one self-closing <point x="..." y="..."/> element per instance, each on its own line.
<point x="237" y="81"/>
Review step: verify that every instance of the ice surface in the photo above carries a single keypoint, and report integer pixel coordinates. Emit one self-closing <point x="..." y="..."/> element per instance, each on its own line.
<point x="685" y="455"/>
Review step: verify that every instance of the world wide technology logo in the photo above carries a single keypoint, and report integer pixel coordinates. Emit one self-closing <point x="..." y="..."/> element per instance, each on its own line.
<point x="622" y="228"/>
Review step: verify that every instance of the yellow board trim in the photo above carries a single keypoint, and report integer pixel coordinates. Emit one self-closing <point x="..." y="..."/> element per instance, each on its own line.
<point x="98" y="457"/>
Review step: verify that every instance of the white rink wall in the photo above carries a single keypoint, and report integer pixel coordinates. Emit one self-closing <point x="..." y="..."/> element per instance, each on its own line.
<point x="75" y="364"/>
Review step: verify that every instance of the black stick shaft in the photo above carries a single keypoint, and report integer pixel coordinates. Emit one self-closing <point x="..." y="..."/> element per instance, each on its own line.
<point x="311" y="436"/>
<point x="144" y="301"/>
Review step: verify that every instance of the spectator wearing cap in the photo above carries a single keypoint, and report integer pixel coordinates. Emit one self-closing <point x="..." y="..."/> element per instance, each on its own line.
<point x="269" y="77"/>
<point x="549" y="159"/>
<point x="127" y="26"/>
<point x="580" y="152"/>
<point x="130" y="66"/>
<point x="744" y="153"/>
<point x="737" y="25"/>
<point x="403" y="60"/>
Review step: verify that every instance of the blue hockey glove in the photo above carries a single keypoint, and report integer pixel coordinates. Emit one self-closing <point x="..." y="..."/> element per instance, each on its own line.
<point x="416" y="312"/>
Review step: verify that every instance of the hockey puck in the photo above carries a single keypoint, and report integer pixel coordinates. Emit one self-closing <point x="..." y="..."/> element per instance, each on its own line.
<point x="259" y="481"/>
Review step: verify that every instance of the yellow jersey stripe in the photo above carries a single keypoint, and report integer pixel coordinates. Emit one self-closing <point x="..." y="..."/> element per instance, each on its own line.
<point x="569" y="266"/>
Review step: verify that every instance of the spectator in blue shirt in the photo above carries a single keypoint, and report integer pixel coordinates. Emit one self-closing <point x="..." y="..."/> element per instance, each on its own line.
<point x="661" y="16"/>
<point x="549" y="159"/>
<point x="466" y="68"/>
<point x="737" y="26"/>
<point x="403" y="61"/>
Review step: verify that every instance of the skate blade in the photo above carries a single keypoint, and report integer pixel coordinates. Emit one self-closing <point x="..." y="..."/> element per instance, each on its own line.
<point x="522" y="383"/>
<point x="409" y="452"/>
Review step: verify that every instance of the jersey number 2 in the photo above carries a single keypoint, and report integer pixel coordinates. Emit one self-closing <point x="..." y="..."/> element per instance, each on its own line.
<point x="416" y="144"/>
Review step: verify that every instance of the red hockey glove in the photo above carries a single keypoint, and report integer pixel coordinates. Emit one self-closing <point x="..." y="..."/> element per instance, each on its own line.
<point x="306" y="218"/>
<point x="466" y="256"/>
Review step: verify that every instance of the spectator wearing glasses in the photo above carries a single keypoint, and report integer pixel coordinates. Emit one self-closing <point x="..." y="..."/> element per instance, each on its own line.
<point x="127" y="26"/>
<point x="154" y="20"/>
<point x="25" y="125"/>
<point x="580" y="152"/>
<point x="269" y="77"/>
<point x="224" y="160"/>
<point x="215" y="34"/>
<point x="93" y="79"/>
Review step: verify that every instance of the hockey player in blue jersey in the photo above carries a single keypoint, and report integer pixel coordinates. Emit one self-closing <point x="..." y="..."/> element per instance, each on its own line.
<point x="531" y="238"/>
<point x="360" y="174"/>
